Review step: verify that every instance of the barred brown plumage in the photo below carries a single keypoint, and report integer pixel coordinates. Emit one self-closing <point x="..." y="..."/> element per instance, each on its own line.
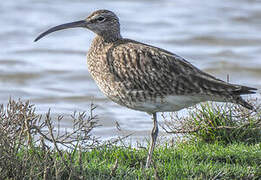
<point x="147" y="78"/>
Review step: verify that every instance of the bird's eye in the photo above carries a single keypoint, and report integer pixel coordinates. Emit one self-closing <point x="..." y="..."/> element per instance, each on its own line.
<point x="100" y="19"/>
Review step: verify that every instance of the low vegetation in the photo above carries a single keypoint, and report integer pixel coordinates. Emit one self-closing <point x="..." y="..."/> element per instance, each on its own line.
<point x="217" y="143"/>
<point x="210" y="122"/>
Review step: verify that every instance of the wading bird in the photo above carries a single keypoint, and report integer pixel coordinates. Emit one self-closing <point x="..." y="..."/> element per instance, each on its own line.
<point x="146" y="78"/>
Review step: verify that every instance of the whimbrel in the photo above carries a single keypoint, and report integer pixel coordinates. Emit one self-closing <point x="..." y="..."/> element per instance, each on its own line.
<point x="146" y="78"/>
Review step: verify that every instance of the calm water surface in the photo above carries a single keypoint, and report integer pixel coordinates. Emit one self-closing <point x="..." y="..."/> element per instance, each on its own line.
<point x="219" y="36"/>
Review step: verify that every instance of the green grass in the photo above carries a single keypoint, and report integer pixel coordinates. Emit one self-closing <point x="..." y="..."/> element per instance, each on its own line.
<point x="187" y="160"/>
<point x="192" y="160"/>
<point x="226" y="123"/>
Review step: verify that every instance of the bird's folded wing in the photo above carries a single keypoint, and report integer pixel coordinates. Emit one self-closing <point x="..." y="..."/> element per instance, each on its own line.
<point x="147" y="68"/>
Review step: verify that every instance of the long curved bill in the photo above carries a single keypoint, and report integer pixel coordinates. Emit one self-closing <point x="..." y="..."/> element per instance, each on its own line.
<point x="61" y="27"/>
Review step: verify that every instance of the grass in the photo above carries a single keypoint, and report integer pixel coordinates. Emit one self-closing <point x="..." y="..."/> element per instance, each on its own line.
<point x="31" y="147"/>
<point x="185" y="161"/>
<point x="226" y="123"/>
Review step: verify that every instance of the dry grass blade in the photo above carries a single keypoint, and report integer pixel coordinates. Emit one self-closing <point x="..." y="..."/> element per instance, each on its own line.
<point x="23" y="131"/>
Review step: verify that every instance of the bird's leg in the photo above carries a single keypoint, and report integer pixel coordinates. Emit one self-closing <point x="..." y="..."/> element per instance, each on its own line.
<point x="154" y="134"/>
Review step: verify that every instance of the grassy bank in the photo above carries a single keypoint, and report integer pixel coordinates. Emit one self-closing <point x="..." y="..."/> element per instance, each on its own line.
<point x="31" y="147"/>
<point x="189" y="160"/>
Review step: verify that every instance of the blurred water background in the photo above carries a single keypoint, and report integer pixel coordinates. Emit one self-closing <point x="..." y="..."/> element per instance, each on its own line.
<point x="219" y="36"/>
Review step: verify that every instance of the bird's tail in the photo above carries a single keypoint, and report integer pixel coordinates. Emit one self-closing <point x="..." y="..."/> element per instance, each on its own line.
<point x="242" y="102"/>
<point x="241" y="91"/>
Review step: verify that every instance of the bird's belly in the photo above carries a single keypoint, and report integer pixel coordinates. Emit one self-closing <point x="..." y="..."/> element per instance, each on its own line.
<point x="166" y="104"/>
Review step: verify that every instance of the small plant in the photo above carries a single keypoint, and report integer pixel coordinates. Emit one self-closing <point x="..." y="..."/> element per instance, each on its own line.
<point x="30" y="145"/>
<point x="211" y="122"/>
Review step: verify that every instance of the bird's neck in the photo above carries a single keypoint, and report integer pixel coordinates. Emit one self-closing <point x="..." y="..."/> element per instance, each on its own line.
<point x="100" y="42"/>
<point x="109" y="37"/>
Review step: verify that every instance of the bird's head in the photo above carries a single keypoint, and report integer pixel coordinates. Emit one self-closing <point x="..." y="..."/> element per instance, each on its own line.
<point x="102" y="22"/>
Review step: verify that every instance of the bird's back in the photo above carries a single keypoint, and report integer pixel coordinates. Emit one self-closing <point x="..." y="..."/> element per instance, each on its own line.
<point x="151" y="79"/>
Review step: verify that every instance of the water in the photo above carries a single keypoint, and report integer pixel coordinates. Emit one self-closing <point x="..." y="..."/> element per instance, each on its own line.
<point x="219" y="36"/>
